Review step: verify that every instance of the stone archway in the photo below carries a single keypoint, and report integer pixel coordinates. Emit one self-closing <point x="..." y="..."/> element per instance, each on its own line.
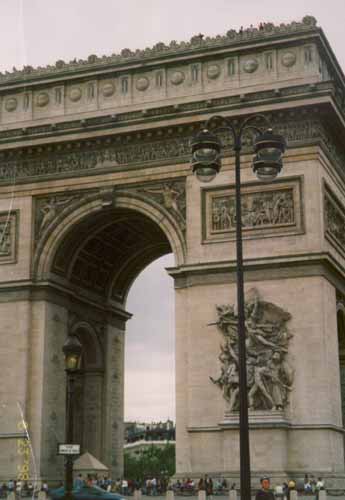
<point x="91" y="251"/>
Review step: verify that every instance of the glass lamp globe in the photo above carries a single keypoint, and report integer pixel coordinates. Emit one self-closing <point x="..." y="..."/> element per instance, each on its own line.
<point x="72" y="350"/>
<point x="267" y="163"/>
<point x="206" y="161"/>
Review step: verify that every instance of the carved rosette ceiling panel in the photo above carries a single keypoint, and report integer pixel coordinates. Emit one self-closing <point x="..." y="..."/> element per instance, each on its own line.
<point x="269" y="375"/>
<point x="266" y="210"/>
<point x="334" y="213"/>
<point x="8" y="237"/>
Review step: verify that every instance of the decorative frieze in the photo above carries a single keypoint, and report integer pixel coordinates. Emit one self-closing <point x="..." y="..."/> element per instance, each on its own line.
<point x="269" y="375"/>
<point x="334" y="212"/>
<point x="8" y="237"/>
<point x="266" y="210"/>
<point x="119" y="152"/>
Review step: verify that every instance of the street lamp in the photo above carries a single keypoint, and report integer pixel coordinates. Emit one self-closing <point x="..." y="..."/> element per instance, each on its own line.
<point x="72" y="350"/>
<point x="267" y="163"/>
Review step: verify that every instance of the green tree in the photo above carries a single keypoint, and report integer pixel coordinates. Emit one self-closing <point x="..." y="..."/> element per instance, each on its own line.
<point x="153" y="461"/>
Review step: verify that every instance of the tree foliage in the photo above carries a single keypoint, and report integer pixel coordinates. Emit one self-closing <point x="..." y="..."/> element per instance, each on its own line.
<point x="153" y="461"/>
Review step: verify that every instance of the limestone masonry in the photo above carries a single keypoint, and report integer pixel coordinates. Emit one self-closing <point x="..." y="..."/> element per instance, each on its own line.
<point x="95" y="183"/>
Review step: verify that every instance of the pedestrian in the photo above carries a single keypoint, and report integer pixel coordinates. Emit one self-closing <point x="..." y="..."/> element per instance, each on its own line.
<point x="45" y="487"/>
<point x="154" y="486"/>
<point x="201" y="484"/>
<point x="307" y="485"/>
<point x="18" y="488"/>
<point x="291" y="487"/>
<point x="320" y="485"/>
<point x="124" y="486"/>
<point x="264" y="493"/>
<point x="209" y="487"/>
<point x="79" y="482"/>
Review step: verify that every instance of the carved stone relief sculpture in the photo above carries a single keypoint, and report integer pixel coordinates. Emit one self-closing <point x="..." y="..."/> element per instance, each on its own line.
<point x="172" y="195"/>
<point x="259" y="209"/>
<point x="334" y="220"/>
<point x="8" y="222"/>
<point x="47" y="210"/>
<point x="269" y="375"/>
<point x="265" y="211"/>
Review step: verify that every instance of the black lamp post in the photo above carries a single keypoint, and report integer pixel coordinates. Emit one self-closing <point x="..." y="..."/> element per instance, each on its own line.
<point x="72" y="350"/>
<point x="267" y="163"/>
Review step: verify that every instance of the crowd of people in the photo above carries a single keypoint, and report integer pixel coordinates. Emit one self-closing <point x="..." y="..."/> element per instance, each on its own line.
<point x="153" y="486"/>
<point x="21" y="488"/>
<point x="311" y="485"/>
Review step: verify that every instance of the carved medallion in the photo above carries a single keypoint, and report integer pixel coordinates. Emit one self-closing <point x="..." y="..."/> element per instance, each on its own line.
<point x="250" y="65"/>
<point x="108" y="89"/>
<point x="75" y="94"/>
<point x="142" y="83"/>
<point x="11" y="104"/>
<point x="42" y="99"/>
<point x="288" y="59"/>
<point x="213" y="71"/>
<point x="269" y="375"/>
<point x="177" y="78"/>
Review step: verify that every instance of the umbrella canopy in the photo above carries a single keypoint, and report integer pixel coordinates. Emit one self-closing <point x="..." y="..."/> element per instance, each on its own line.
<point x="87" y="463"/>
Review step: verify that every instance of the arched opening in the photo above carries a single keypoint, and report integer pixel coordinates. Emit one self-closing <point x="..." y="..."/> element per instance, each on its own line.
<point x="105" y="253"/>
<point x="150" y="346"/>
<point x="94" y="262"/>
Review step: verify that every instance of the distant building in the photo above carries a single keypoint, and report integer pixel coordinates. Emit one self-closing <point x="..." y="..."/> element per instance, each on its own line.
<point x="155" y="432"/>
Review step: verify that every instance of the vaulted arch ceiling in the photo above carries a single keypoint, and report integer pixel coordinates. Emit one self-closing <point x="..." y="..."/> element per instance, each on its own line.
<point x="106" y="252"/>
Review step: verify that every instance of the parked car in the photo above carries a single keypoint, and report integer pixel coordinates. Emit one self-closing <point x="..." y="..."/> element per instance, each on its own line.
<point x="85" y="493"/>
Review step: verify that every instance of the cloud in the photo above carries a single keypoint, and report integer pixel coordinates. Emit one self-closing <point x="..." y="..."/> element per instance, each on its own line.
<point x="149" y="394"/>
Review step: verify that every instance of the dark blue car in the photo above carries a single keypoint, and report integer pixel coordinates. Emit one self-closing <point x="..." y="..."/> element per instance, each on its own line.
<point x="85" y="493"/>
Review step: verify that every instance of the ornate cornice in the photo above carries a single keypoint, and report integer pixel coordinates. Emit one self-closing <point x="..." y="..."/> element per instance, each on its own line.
<point x="161" y="50"/>
<point x="171" y="112"/>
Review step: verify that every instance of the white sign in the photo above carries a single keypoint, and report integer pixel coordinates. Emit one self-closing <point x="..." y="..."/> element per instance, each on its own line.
<point x="68" y="449"/>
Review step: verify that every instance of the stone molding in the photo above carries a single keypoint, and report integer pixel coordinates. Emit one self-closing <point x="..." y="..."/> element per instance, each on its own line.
<point x="284" y="266"/>
<point x="221" y="427"/>
<point x="147" y="115"/>
<point x="161" y="50"/>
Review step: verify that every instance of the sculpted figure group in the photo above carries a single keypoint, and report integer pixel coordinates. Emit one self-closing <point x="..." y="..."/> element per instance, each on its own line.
<point x="269" y="376"/>
<point x="259" y="209"/>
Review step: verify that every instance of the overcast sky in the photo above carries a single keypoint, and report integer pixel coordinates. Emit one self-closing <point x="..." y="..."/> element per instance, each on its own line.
<point x="39" y="32"/>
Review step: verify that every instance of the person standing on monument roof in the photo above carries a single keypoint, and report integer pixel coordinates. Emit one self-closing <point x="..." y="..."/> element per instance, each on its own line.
<point x="264" y="493"/>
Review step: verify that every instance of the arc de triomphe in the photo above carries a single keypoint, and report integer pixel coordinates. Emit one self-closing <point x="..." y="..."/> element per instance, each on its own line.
<point x="95" y="184"/>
